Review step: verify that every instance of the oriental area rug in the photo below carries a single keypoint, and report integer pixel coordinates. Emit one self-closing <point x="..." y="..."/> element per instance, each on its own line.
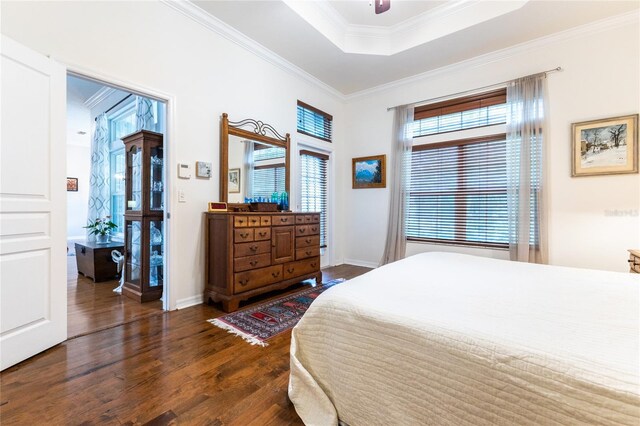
<point x="261" y="322"/>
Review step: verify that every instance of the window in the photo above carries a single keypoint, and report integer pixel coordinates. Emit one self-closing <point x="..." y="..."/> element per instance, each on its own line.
<point x="470" y="112"/>
<point x="313" y="188"/>
<point x="313" y="122"/>
<point x="268" y="179"/>
<point x="458" y="190"/>
<point x="121" y="124"/>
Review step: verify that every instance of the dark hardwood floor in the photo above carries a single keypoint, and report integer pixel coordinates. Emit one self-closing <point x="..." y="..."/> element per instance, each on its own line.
<point x="171" y="368"/>
<point x="94" y="306"/>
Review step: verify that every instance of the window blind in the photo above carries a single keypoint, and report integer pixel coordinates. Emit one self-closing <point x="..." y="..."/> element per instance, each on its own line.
<point x="313" y="185"/>
<point x="485" y="109"/>
<point x="267" y="152"/>
<point x="458" y="192"/>
<point x="314" y="122"/>
<point x="268" y="179"/>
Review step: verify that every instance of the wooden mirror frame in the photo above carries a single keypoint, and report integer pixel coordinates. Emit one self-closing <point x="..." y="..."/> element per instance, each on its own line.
<point x="257" y="132"/>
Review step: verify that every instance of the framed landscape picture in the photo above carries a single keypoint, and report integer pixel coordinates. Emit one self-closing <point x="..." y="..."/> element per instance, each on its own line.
<point x="605" y="147"/>
<point x="234" y="180"/>
<point x="369" y="172"/>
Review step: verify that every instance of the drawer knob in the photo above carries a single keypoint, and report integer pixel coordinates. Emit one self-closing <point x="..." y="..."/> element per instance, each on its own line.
<point x="314" y="229"/>
<point x="244" y="281"/>
<point x="240" y="221"/>
<point x="253" y="262"/>
<point x="283" y="219"/>
<point x="244" y="234"/>
<point x="253" y="247"/>
<point x="254" y="220"/>
<point x="633" y="262"/>
<point x="313" y="265"/>
<point x="262" y="234"/>
<point x="308" y="253"/>
<point x="275" y="274"/>
<point x="301" y="230"/>
<point x="308" y="241"/>
<point x="290" y="270"/>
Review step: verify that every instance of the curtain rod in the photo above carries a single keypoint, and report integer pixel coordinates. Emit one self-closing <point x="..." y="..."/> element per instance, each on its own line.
<point x="466" y="92"/>
<point x="118" y="103"/>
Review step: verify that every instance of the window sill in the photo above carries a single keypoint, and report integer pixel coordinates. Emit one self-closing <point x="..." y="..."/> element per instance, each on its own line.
<point x="459" y="244"/>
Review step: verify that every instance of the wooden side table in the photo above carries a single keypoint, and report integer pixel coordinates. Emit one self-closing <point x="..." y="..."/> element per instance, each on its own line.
<point x="634" y="261"/>
<point x="94" y="260"/>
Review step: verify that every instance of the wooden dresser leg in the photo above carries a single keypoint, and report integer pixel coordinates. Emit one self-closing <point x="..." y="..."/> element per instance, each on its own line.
<point x="319" y="278"/>
<point x="230" y="305"/>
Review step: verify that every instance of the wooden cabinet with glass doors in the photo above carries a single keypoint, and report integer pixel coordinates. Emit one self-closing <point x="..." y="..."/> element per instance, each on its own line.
<point x="143" y="218"/>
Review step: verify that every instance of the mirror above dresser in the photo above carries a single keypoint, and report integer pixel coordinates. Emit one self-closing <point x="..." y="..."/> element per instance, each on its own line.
<point x="254" y="161"/>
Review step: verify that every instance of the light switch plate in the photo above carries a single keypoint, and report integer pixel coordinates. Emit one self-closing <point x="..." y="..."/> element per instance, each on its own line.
<point x="184" y="171"/>
<point x="181" y="197"/>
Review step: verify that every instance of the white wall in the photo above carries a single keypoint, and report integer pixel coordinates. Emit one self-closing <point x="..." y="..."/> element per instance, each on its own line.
<point x="600" y="79"/>
<point x="152" y="45"/>
<point x="78" y="166"/>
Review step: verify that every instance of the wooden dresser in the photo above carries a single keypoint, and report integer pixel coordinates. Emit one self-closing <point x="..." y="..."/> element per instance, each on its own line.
<point x="252" y="253"/>
<point x="634" y="261"/>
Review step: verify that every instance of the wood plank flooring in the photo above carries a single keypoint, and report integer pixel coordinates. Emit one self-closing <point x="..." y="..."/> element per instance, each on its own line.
<point x="94" y="306"/>
<point x="172" y="368"/>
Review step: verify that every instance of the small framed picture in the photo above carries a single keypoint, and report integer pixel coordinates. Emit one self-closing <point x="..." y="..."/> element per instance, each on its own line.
<point x="234" y="180"/>
<point x="203" y="170"/>
<point x="72" y="184"/>
<point x="605" y="147"/>
<point x="369" y="172"/>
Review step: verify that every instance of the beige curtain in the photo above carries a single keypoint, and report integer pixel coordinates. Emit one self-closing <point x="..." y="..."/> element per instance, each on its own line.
<point x="399" y="172"/>
<point x="527" y="137"/>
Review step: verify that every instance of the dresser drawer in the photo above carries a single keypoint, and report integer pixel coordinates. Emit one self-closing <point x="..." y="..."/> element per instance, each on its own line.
<point x="302" y="219"/>
<point x="282" y="219"/>
<point x="308" y="241"/>
<point x="251" y="262"/>
<point x="242" y="235"/>
<point x="302" y="230"/>
<point x="265" y="220"/>
<point x="245" y="281"/>
<point x="261" y="234"/>
<point x="303" y="253"/>
<point x="250" y="249"/>
<point x="301" y="267"/>
<point x="254" y="220"/>
<point x="634" y="263"/>
<point x="240" y="221"/>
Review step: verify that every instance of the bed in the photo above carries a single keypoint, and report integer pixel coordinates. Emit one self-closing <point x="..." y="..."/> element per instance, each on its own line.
<point x="449" y="339"/>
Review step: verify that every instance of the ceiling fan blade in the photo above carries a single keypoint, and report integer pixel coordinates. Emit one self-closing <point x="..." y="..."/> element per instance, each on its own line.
<point x="382" y="6"/>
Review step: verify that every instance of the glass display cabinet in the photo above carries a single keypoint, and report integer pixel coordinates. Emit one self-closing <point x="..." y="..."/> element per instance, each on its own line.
<point x="143" y="218"/>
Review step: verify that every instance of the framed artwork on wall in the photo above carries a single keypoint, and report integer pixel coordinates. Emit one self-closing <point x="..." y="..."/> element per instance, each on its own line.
<point x="203" y="169"/>
<point x="605" y="147"/>
<point x="72" y="184"/>
<point x="234" y="180"/>
<point x="369" y="172"/>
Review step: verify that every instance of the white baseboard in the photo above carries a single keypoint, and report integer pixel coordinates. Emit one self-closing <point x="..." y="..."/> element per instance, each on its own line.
<point x="189" y="301"/>
<point x="364" y="263"/>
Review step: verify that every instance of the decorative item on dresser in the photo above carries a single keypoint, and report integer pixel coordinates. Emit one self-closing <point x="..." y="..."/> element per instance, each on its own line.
<point x="634" y="261"/>
<point x="143" y="217"/>
<point x="251" y="253"/>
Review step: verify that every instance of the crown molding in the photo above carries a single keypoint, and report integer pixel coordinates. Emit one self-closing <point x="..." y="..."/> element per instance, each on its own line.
<point x="613" y="22"/>
<point x="389" y="40"/>
<point x="99" y="96"/>
<point x="223" y="29"/>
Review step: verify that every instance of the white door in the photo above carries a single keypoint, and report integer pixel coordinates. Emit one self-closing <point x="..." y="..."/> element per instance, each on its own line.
<point x="33" y="268"/>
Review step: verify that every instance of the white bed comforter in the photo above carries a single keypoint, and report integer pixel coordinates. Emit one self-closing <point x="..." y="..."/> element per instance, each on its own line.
<point x="449" y="339"/>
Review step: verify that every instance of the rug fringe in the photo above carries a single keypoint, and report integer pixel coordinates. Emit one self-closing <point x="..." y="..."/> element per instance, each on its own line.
<point x="231" y="329"/>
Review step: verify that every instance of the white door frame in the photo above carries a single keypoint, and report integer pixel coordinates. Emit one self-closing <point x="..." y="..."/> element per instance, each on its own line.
<point x="169" y="302"/>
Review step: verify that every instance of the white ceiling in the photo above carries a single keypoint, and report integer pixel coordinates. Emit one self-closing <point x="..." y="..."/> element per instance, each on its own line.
<point x="276" y="26"/>
<point x="81" y="89"/>
<point x="361" y="12"/>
